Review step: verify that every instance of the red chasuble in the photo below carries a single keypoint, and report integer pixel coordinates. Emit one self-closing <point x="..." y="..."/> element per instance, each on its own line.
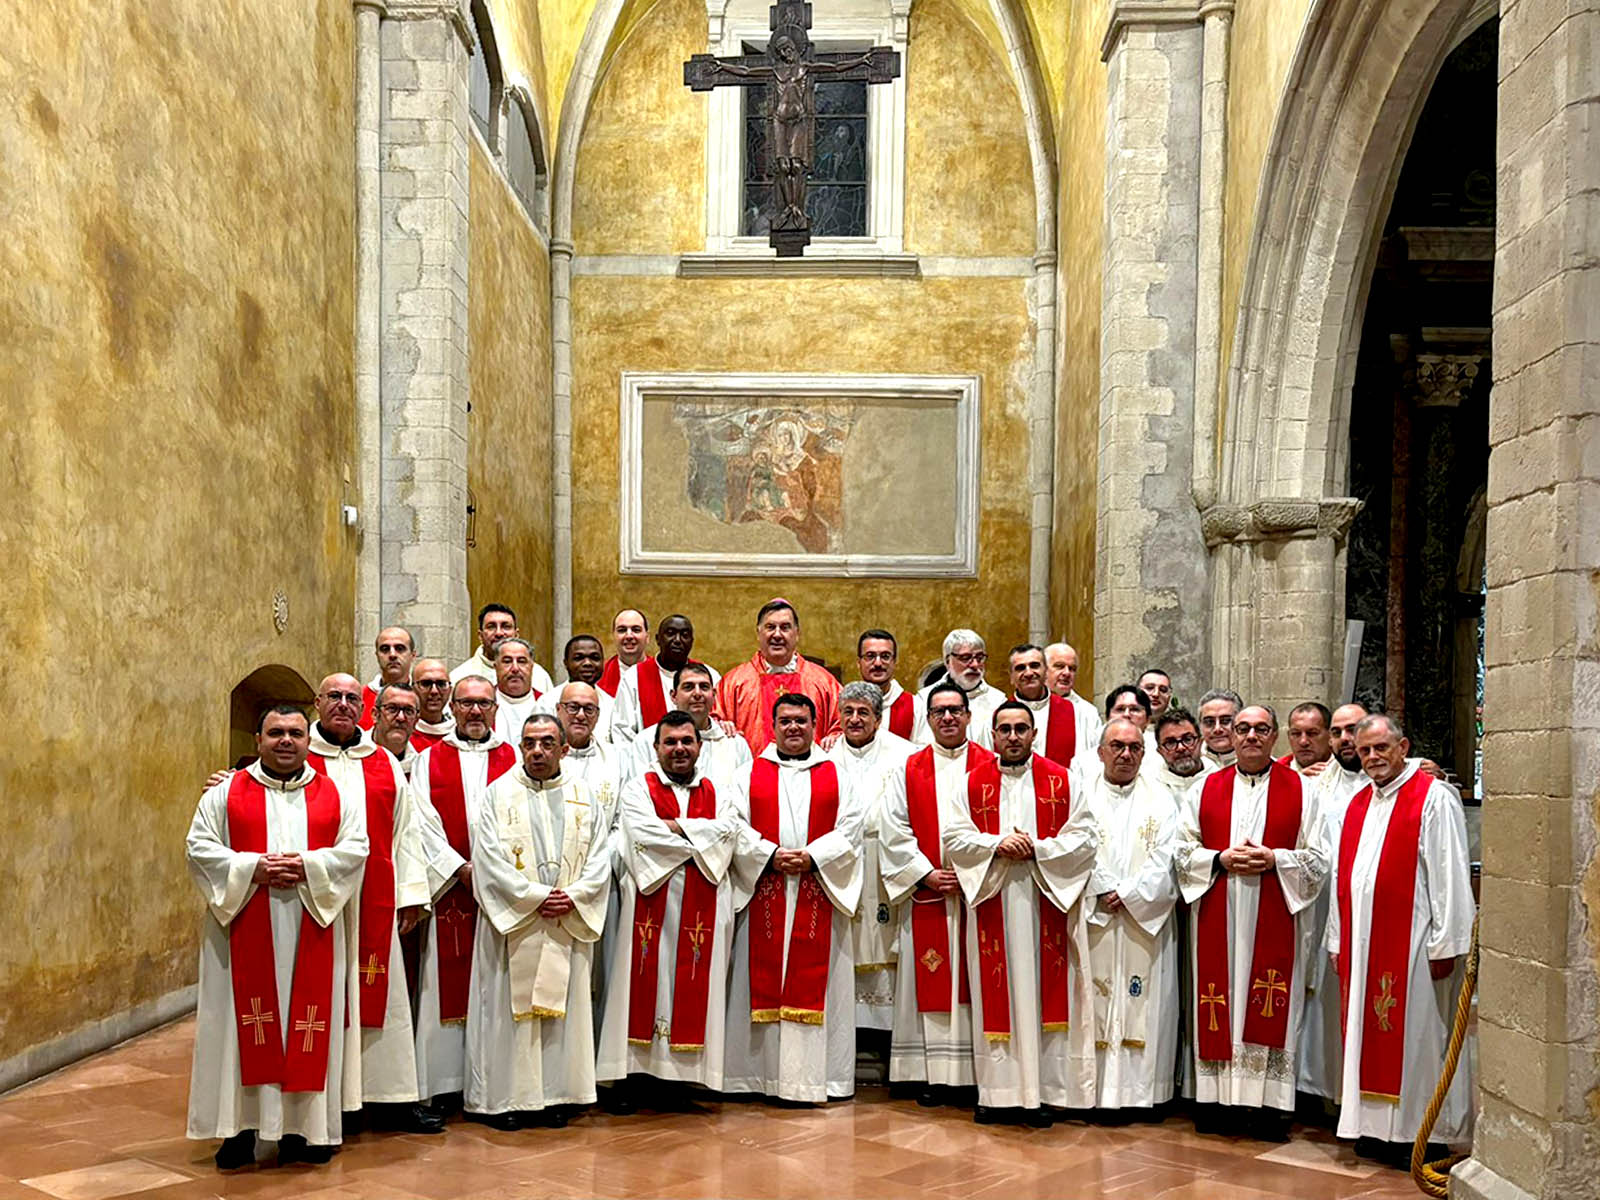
<point x="1266" y="1021"/>
<point x="369" y="707"/>
<point x="1383" y="1005"/>
<point x="422" y="741"/>
<point x="610" y="676"/>
<point x="1061" y="739"/>
<point x="455" y="916"/>
<point x="697" y="930"/>
<point x="902" y="715"/>
<point x="262" y="1057"/>
<point x="799" y="993"/>
<point x="652" y="700"/>
<point x="1052" y="805"/>
<point x="930" y="936"/>
<point x="377" y="886"/>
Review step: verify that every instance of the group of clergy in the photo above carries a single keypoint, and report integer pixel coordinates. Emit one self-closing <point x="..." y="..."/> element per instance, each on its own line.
<point x="472" y="889"/>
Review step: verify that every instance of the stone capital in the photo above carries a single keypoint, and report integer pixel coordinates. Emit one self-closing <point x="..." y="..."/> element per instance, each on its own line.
<point x="452" y="11"/>
<point x="1279" y="519"/>
<point x="1148" y="14"/>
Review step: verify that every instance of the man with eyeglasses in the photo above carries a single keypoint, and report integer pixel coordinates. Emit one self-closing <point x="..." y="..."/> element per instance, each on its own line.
<point x="1217" y="710"/>
<point x="722" y="755"/>
<point x="582" y="660"/>
<point x="965" y="658"/>
<point x="1023" y="849"/>
<point x="541" y="865"/>
<point x="394" y="897"/>
<point x="1130" y="703"/>
<point x="877" y="655"/>
<point x="397" y="709"/>
<point x="1133" y="944"/>
<point x="644" y="693"/>
<point x="449" y="784"/>
<point x="431" y="678"/>
<point x="930" y="1050"/>
<point x="746" y="693"/>
<point x="495" y="622"/>
<point x="396" y="651"/>
<point x="1251" y="861"/>
<point x="1059" y="732"/>
<point x="1181" y="763"/>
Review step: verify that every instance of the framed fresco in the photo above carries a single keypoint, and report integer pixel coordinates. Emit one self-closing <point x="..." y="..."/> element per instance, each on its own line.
<point x="831" y="475"/>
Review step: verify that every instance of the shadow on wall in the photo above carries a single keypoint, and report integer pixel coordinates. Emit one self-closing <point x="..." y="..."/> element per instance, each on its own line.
<point x="253" y="695"/>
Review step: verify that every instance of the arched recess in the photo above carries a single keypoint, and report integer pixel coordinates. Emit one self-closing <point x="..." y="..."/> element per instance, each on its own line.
<point x="527" y="162"/>
<point x="1027" y="75"/>
<point x="1360" y="76"/>
<point x="486" y="78"/>
<point x="253" y="695"/>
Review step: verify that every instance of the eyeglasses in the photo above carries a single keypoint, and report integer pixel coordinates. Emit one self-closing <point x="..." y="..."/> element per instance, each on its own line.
<point x="947" y="710"/>
<point x="971" y="660"/>
<point x="476" y="705"/>
<point x="347" y="697"/>
<point x="398" y="710"/>
<point x="1187" y="742"/>
<point x="430" y="683"/>
<point x="587" y="710"/>
<point x="1119" y="749"/>
<point x="1262" y="730"/>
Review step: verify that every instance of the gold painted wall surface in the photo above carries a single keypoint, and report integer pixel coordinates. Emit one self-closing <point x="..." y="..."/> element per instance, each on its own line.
<point x="518" y="27"/>
<point x="1080" y="222"/>
<point x="508" y="443"/>
<point x="633" y="197"/>
<point x="175" y="350"/>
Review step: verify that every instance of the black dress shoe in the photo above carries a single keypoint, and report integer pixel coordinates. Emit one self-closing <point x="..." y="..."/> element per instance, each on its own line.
<point x="292" y="1148"/>
<point x="987" y="1115"/>
<point x="929" y="1097"/>
<point x="1038" y="1118"/>
<point x="618" y="1100"/>
<point x="237" y="1151"/>
<point x="506" y="1122"/>
<point x="447" y="1104"/>
<point x="420" y="1118"/>
<point x="353" y="1122"/>
<point x="555" y="1118"/>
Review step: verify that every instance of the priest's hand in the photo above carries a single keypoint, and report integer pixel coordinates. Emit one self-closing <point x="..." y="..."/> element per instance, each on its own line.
<point x="1316" y="768"/>
<point x="215" y="778"/>
<point x="1246" y="859"/>
<point x="282" y="870"/>
<point x="942" y="881"/>
<point x="675" y="827"/>
<point x="464" y="875"/>
<point x="791" y="862"/>
<point x="1333" y="961"/>
<point x="829" y="740"/>
<point x="1428" y="767"/>
<point x="556" y="904"/>
<point x="1015" y="845"/>
<point x="1441" y="968"/>
<point x="408" y="918"/>
<point x="1111" y="902"/>
<point x="728" y="727"/>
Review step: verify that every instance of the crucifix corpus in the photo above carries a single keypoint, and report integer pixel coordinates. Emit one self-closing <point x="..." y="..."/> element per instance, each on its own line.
<point x="790" y="67"/>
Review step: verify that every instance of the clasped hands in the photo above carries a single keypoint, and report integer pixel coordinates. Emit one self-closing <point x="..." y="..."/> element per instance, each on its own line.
<point x="1015" y="844"/>
<point x="556" y="904"/>
<point x="280" y="870"/>
<point x="791" y="862"/>
<point x="1248" y="858"/>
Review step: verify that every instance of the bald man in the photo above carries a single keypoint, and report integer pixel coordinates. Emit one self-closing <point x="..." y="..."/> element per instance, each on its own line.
<point x="1061" y="679"/>
<point x="629" y="629"/>
<point x="430" y="677"/>
<point x="395" y="650"/>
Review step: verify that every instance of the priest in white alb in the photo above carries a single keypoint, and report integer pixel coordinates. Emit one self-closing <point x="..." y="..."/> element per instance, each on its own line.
<point x="431" y="678"/>
<point x="1251" y="861"/>
<point x="877" y="655"/>
<point x="667" y="979"/>
<point x="277" y="854"/>
<point x="519" y="682"/>
<point x="930" y="1049"/>
<point x="724" y="754"/>
<point x="1133" y="942"/>
<point x="644" y="690"/>
<point x="1398" y="930"/>
<point x="394" y="897"/>
<point x="540" y="869"/>
<point x="448" y="785"/>
<point x="791" y="994"/>
<point x="1061" y="677"/>
<point x="965" y="658"/>
<point x="1023" y="847"/>
<point x="868" y="755"/>
<point x="1061" y="732"/>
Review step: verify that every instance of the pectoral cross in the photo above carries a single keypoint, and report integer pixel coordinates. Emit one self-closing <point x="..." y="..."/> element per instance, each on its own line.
<point x="1271" y="987"/>
<point x="255" y="1019"/>
<point x="310" y="1027"/>
<point x="369" y="973"/>
<point x="1211" y="999"/>
<point x="790" y="67"/>
<point x="1384" y="1000"/>
<point x="697" y="937"/>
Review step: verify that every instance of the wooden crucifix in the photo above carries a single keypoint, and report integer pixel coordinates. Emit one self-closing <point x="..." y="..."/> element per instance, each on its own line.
<point x="790" y="68"/>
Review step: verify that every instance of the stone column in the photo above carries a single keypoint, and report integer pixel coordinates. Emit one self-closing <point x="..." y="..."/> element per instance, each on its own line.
<point x="1539" y="1004"/>
<point x="424" y="144"/>
<point x="1150" y="577"/>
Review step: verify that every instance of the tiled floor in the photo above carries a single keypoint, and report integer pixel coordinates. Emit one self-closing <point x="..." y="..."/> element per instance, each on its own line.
<point x="113" y="1126"/>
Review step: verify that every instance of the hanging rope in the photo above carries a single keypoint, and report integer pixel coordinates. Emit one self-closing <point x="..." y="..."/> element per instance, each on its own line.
<point x="1434" y="1177"/>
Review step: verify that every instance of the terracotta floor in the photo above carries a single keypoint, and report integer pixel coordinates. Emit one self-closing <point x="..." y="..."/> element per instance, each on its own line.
<point x="113" y="1126"/>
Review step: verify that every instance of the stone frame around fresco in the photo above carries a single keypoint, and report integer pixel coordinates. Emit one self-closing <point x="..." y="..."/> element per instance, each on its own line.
<point x="960" y="392"/>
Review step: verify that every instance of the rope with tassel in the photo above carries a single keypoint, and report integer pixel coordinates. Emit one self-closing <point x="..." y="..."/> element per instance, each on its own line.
<point x="1434" y="1177"/>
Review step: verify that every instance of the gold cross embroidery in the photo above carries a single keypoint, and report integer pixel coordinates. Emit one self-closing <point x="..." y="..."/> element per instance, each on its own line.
<point x="1055" y="797"/>
<point x="645" y="930"/>
<point x="1148" y="832"/>
<point x="454" y="918"/>
<point x="932" y="959"/>
<point x="1384" y="1000"/>
<point x="1211" y="999"/>
<point x="993" y="950"/>
<point x="985" y="805"/>
<point x="255" y="1019"/>
<point x="369" y="973"/>
<point x="310" y="1027"/>
<point x="1272" y="986"/>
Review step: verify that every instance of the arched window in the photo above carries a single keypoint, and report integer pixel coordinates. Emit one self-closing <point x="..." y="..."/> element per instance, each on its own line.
<point x="486" y="82"/>
<point x="524" y="156"/>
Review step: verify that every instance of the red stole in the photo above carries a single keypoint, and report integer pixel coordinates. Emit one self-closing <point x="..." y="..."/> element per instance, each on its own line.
<point x="262" y="1057"/>
<point x="1266" y="1021"/>
<point x="697" y="929"/>
<point x="652" y="700"/>
<point x="424" y="741"/>
<point x="930" y="935"/>
<point x="610" y="676"/>
<point x="1383" y="1007"/>
<point x="1052" y="805"/>
<point x="903" y="715"/>
<point x="1061" y="738"/>
<point x="455" y="916"/>
<point x="799" y="993"/>
<point x="774" y="684"/>
<point x="377" y="885"/>
<point x="369" y="707"/>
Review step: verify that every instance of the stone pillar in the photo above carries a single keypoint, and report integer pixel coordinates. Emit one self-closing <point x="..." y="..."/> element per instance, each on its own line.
<point x="1150" y="577"/>
<point x="424" y="145"/>
<point x="1539" y="1005"/>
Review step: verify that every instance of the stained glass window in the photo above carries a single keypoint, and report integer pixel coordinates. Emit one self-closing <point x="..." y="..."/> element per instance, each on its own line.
<point x="836" y="191"/>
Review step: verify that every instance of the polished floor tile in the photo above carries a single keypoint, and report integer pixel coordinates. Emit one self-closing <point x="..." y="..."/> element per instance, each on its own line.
<point x="113" y="1127"/>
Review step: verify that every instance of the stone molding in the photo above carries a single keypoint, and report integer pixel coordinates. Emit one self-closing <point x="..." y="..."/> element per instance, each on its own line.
<point x="730" y="266"/>
<point x="1126" y="14"/>
<point x="1279" y="519"/>
<point x="429" y="10"/>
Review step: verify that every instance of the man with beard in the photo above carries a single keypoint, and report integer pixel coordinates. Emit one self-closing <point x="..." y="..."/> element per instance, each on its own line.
<point x="965" y="658"/>
<point x="1178" y="742"/>
<point x="877" y="655"/>
<point x="645" y="689"/>
<point x="431" y="679"/>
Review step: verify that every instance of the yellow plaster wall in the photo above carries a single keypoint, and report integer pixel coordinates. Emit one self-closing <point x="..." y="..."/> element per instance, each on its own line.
<point x="640" y="190"/>
<point x="175" y="350"/>
<point x="519" y="28"/>
<point x="508" y="443"/>
<point x="1080" y="220"/>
